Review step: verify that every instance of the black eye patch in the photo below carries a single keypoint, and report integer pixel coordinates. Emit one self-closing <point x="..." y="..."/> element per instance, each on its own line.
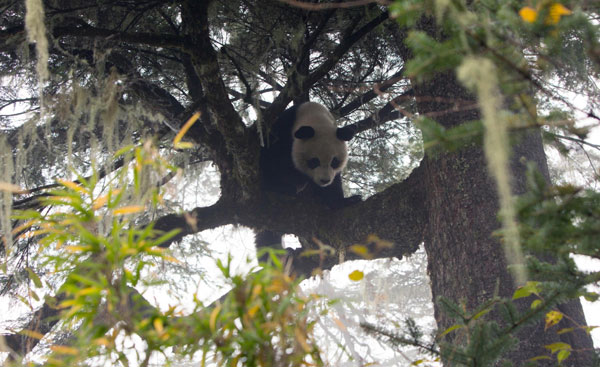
<point x="313" y="163"/>
<point x="335" y="163"/>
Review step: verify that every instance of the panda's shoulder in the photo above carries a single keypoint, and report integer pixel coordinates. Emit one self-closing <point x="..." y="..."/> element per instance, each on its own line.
<point x="286" y="120"/>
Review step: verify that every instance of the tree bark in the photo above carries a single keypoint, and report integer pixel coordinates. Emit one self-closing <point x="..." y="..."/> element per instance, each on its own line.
<point x="466" y="262"/>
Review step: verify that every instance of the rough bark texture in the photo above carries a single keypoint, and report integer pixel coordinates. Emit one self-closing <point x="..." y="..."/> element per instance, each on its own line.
<point x="466" y="262"/>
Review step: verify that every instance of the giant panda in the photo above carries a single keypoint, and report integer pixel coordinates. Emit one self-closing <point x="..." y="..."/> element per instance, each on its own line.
<point x="303" y="156"/>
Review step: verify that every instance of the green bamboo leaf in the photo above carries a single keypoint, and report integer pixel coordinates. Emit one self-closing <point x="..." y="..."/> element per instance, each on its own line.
<point x="527" y="290"/>
<point x="33" y="276"/>
<point x="124" y="150"/>
<point x="562" y="355"/>
<point x="536" y="303"/>
<point x="34" y="295"/>
<point x="555" y="347"/>
<point x="537" y="358"/>
<point x="481" y="313"/>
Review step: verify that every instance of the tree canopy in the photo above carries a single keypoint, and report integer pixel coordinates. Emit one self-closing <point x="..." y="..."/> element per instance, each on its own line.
<point x="113" y="111"/>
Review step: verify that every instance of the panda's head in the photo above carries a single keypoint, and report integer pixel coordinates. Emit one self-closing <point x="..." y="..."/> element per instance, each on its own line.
<point x="319" y="146"/>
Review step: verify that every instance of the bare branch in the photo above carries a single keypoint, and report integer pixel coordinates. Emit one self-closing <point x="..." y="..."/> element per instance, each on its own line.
<point x="83" y="30"/>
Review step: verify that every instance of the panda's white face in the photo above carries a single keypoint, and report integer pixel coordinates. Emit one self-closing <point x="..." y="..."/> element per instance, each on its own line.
<point x="317" y="151"/>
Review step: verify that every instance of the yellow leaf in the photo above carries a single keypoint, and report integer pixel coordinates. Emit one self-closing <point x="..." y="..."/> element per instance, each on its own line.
<point x="528" y="14"/>
<point x="252" y="311"/>
<point x="373" y="238"/>
<point x="277" y="286"/>
<point x="301" y="338"/>
<point x="171" y="259"/>
<point x="23" y="226"/>
<point x="77" y="248"/>
<point x="6" y="186"/>
<point x="158" y="325"/>
<point x="102" y="342"/>
<point x="565" y="330"/>
<point x="89" y="290"/>
<point x="32" y="334"/>
<point x="63" y="349"/>
<point x="451" y="329"/>
<point x="99" y="202"/>
<point x="356" y="275"/>
<point x="128" y="210"/>
<point x="32" y="234"/>
<point x="256" y="291"/>
<point x="183" y="145"/>
<point x="72" y="185"/>
<point x="557" y="10"/>
<point x="68" y="222"/>
<point x="212" y="322"/>
<point x="555" y="347"/>
<point x="234" y="361"/>
<point x="66" y="303"/>
<point x="360" y="250"/>
<point x="184" y="129"/>
<point x="553" y="318"/>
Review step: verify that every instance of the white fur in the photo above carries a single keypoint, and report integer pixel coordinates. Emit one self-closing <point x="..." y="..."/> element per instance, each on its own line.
<point x="324" y="145"/>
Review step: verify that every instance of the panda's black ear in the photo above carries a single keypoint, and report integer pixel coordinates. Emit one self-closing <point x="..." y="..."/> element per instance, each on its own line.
<point x="345" y="133"/>
<point x="305" y="132"/>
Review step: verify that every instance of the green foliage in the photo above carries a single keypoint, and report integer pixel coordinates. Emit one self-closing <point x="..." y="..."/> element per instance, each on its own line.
<point x="534" y="48"/>
<point x="91" y="240"/>
<point x="556" y="44"/>
<point x="262" y="321"/>
<point x="561" y="220"/>
<point x="431" y="56"/>
<point x="438" y="139"/>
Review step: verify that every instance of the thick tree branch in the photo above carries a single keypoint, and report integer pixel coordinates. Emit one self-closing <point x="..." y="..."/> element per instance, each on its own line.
<point x="401" y="203"/>
<point x="42" y="322"/>
<point x="238" y="165"/>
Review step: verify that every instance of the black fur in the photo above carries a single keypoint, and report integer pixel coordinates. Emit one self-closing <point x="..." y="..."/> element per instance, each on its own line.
<point x="278" y="173"/>
<point x="277" y="170"/>
<point x="305" y="132"/>
<point x="345" y="133"/>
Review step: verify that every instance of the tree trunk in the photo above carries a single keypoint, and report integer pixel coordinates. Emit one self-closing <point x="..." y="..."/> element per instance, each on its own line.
<point x="466" y="262"/>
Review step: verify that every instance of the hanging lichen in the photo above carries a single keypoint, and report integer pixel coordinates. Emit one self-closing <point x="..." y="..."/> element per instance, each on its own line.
<point x="479" y="74"/>
<point x="6" y="172"/>
<point x="36" y="33"/>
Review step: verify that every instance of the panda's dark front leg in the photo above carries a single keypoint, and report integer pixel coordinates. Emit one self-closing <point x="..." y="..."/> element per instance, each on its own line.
<point x="267" y="239"/>
<point x="333" y="195"/>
